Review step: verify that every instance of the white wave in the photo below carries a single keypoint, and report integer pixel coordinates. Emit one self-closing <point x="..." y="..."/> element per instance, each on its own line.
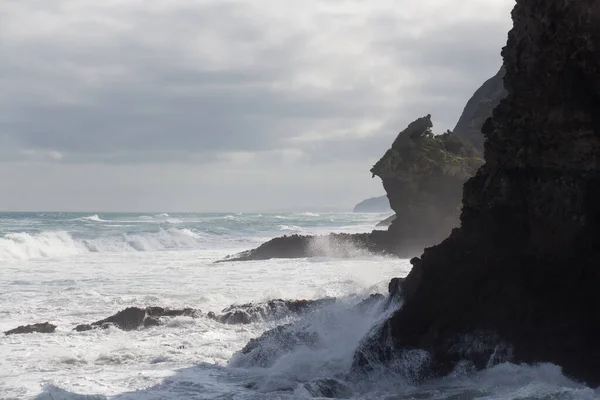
<point x="25" y="246"/>
<point x="289" y="228"/>
<point x="174" y="221"/>
<point x="93" y="218"/>
<point x="308" y="214"/>
<point x="163" y="215"/>
<point x="57" y="244"/>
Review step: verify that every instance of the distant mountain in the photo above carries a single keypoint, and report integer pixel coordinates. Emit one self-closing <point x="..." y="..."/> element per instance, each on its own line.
<point x="373" y="205"/>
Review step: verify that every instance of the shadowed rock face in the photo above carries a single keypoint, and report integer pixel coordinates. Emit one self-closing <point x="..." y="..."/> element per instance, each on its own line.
<point x="520" y="276"/>
<point x="479" y="108"/>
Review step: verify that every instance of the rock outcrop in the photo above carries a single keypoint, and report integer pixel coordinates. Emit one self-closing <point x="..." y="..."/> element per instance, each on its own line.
<point x="268" y="311"/>
<point x="519" y="279"/>
<point x="45" y="327"/>
<point x="423" y="174"/>
<point x="133" y="318"/>
<point x="340" y="245"/>
<point x="373" y="205"/>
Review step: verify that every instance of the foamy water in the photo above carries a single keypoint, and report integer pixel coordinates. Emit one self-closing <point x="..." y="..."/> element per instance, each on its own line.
<point x="71" y="269"/>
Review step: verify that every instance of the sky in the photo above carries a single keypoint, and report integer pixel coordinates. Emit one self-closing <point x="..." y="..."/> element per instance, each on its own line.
<point x="226" y="105"/>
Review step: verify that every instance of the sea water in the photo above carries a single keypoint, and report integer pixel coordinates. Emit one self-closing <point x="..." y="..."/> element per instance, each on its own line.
<point x="70" y="269"/>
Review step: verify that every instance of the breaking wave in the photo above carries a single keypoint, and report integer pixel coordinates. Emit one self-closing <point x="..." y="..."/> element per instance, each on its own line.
<point x="56" y="244"/>
<point x="92" y="218"/>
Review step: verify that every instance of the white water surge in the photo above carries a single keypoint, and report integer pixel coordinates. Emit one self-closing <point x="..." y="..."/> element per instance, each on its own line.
<point x="70" y="269"/>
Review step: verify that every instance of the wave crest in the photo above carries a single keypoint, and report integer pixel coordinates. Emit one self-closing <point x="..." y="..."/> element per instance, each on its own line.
<point x="57" y="244"/>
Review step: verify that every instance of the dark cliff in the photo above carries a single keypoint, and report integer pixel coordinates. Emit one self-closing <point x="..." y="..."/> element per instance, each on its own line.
<point x="519" y="279"/>
<point x="479" y="108"/>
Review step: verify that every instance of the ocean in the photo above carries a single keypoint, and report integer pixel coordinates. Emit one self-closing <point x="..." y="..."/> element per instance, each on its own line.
<point x="70" y="268"/>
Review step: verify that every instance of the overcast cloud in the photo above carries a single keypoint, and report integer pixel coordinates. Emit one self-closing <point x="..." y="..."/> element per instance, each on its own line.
<point x="216" y="105"/>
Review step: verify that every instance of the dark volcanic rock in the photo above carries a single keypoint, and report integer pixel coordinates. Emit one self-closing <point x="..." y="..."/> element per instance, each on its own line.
<point x="271" y="310"/>
<point x="134" y="318"/>
<point x="342" y="245"/>
<point x="45" y="327"/>
<point x="270" y="346"/>
<point x="520" y="277"/>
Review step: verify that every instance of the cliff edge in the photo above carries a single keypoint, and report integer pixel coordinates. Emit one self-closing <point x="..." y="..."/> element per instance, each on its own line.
<point x="519" y="279"/>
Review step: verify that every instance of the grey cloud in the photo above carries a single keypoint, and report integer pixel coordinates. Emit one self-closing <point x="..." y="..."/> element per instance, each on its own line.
<point x="201" y="78"/>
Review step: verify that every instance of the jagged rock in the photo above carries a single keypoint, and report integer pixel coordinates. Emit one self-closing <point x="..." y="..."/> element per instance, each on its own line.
<point x="479" y="108"/>
<point x="521" y="274"/>
<point x="423" y="176"/>
<point x="271" y="310"/>
<point x="45" y="327"/>
<point x="265" y="350"/>
<point x="388" y="221"/>
<point x="373" y="205"/>
<point x="328" y="388"/>
<point x="134" y="318"/>
<point x="270" y="346"/>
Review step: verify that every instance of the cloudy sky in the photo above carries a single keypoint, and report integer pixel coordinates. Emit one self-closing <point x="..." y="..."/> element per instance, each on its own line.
<point x="226" y="105"/>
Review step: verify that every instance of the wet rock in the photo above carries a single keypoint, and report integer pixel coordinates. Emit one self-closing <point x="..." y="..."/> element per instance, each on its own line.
<point x="370" y="302"/>
<point x="268" y="311"/>
<point x="45" y="327"/>
<point x="264" y="351"/>
<point x="133" y="318"/>
<point x="338" y="245"/>
<point x="328" y="388"/>
<point x="83" y="328"/>
<point x="521" y="272"/>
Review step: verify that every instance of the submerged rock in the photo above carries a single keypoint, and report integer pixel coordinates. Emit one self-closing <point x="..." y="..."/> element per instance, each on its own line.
<point x="133" y="318"/>
<point x="520" y="276"/>
<point x="328" y="388"/>
<point x="45" y="327"/>
<point x="264" y="351"/>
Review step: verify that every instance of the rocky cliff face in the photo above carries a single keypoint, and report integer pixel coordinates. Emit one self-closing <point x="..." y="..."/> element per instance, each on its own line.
<point x="519" y="279"/>
<point x="479" y="108"/>
<point x="423" y="176"/>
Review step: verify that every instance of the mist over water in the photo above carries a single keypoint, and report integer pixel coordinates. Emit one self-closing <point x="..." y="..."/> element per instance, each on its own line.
<point x="70" y="269"/>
